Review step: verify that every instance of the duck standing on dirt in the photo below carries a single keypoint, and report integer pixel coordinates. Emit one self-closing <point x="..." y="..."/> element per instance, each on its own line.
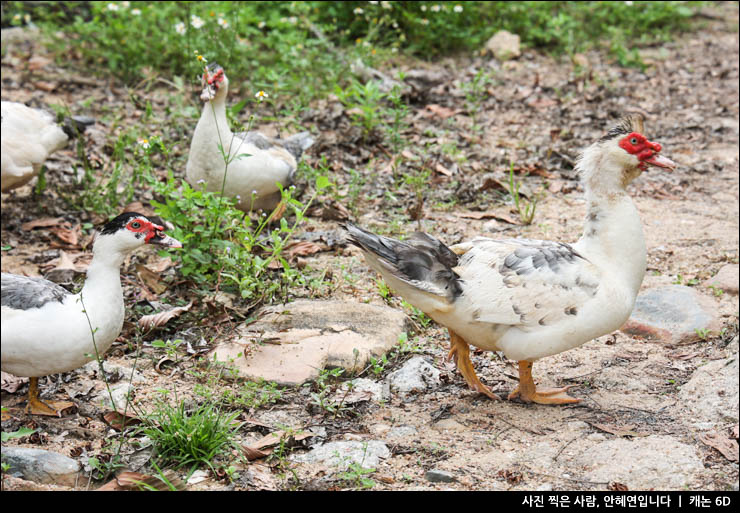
<point x="257" y="162"/>
<point x="46" y="329"/>
<point x="29" y="136"/>
<point x="531" y="298"/>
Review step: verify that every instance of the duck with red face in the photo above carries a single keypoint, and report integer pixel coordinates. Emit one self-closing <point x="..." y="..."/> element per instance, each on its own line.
<point x="46" y="329"/>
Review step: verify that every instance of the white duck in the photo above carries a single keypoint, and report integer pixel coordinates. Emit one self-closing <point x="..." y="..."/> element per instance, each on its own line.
<point x="259" y="162"/>
<point x="530" y="298"/>
<point x="29" y="136"/>
<point x="44" y="327"/>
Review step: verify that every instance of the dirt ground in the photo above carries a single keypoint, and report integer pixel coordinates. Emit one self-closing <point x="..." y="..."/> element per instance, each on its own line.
<point x="539" y="113"/>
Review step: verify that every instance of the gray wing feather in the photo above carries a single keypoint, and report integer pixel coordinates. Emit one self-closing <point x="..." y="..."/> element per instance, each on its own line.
<point x="24" y="293"/>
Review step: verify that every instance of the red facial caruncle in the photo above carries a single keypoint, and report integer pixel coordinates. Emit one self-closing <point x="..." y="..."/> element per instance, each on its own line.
<point x="646" y="152"/>
<point x="139" y="225"/>
<point x="216" y="77"/>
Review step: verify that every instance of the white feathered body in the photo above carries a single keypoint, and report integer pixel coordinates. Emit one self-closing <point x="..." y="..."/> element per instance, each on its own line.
<point x="29" y="136"/>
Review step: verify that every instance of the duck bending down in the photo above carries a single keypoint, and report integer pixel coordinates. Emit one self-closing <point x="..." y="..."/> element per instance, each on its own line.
<point x="29" y="136"/>
<point x="257" y="162"/>
<point x="46" y="329"/>
<point x="531" y="298"/>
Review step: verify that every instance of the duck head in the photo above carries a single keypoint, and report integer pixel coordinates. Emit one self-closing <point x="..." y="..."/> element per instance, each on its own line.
<point x="214" y="82"/>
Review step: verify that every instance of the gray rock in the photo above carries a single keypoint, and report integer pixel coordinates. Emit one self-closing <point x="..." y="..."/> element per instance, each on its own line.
<point x="711" y="395"/>
<point x="119" y="393"/>
<point x="654" y="462"/>
<point x="726" y="279"/>
<point x="672" y="315"/>
<point x="439" y="476"/>
<point x="416" y="375"/>
<point x="363" y="389"/>
<point x="504" y="45"/>
<point x="41" y="466"/>
<point x="114" y="372"/>
<point x="306" y="336"/>
<point x="341" y="454"/>
<point x="402" y="432"/>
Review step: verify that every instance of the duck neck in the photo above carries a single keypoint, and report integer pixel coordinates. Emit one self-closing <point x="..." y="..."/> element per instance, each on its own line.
<point x="213" y="118"/>
<point x="613" y="236"/>
<point x="103" y="282"/>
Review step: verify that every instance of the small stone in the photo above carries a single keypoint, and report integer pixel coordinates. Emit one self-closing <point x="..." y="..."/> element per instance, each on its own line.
<point x="544" y="487"/>
<point x="341" y="454"/>
<point x="416" y="375"/>
<point x="674" y="314"/>
<point x="711" y="395"/>
<point x="439" y="476"/>
<point x="726" y="279"/>
<point x="448" y="425"/>
<point x="41" y="466"/>
<point x="114" y="372"/>
<point x="119" y="393"/>
<point x="504" y="45"/>
<point x="402" y="431"/>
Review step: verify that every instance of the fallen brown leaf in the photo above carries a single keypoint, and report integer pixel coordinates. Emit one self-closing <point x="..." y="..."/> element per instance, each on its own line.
<point x="161" y="318"/>
<point x="11" y="383"/>
<point x="68" y="235"/>
<point x="150" y="279"/>
<point x="440" y="111"/>
<point x="439" y="168"/>
<point x="118" y="420"/>
<point x="303" y="248"/>
<point x="726" y="446"/>
<point x="617" y="487"/>
<point x="137" y="481"/>
<point x="44" y="222"/>
<point x="486" y="215"/>
<point x="276" y="437"/>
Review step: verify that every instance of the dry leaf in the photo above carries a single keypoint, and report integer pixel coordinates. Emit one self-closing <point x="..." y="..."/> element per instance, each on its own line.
<point x="441" y="112"/>
<point x="161" y="318"/>
<point x="137" y="481"/>
<point x="118" y="420"/>
<point x="486" y="215"/>
<point x="44" y="222"/>
<point x="276" y="437"/>
<point x="68" y="235"/>
<point x="11" y="383"/>
<point x="254" y="454"/>
<point x="150" y="279"/>
<point x="492" y="183"/>
<point x="617" y="487"/>
<point x="303" y="248"/>
<point x="439" y="168"/>
<point x="726" y="446"/>
<point x="138" y="206"/>
<point x="45" y="86"/>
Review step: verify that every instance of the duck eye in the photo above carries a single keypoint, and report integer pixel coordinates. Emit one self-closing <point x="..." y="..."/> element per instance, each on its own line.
<point x="136" y="225"/>
<point x="633" y="140"/>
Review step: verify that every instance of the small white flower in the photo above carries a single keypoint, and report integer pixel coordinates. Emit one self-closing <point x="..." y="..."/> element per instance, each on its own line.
<point x="628" y="3"/>
<point x="260" y="95"/>
<point x="112" y="7"/>
<point x="425" y="21"/>
<point x="254" y="193"/>
<point x="293" y="20"/>
<point x="458" y="8"/>
<point x="394" y="50"/>
<point x="201" y="181"/>
<point x="386" y="5"/>
<point x="228" y="249"/>
<point x="125" y="4"/>
<point x="436" y="8"/>
<point x="261" y="25"/>
<point x="424" y="8"/>
<point x="358" y="10"/>
<point x="238" y="197"/>
<point x="136" y="12"/>
<point x="366" y="44"/>
<point x="374" y="3"/>
<point x="196" y="21"/>
<point x="17" y="17"/>
<point x="27" y="18"/>
<point x="223" y="23"/>
<point x="180" y="28"/>
<point x="144" y="143"/>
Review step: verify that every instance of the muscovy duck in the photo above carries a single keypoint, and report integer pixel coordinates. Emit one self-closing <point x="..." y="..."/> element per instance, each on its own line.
<point x="45" y="329"/>
<point x="531" y="298"/>
<point x="259" y="162"/>
<point x="29" y="136"/>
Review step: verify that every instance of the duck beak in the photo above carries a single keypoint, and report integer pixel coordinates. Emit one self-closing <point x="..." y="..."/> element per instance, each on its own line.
<point x="161" y="239"/>
<point x="660" y="161"/>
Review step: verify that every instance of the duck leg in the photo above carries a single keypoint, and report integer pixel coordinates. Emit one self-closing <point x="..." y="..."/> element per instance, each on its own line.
<point x="527" y="390"/>
<point x="460" y="352"/>
<point x="38" y="407"/>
